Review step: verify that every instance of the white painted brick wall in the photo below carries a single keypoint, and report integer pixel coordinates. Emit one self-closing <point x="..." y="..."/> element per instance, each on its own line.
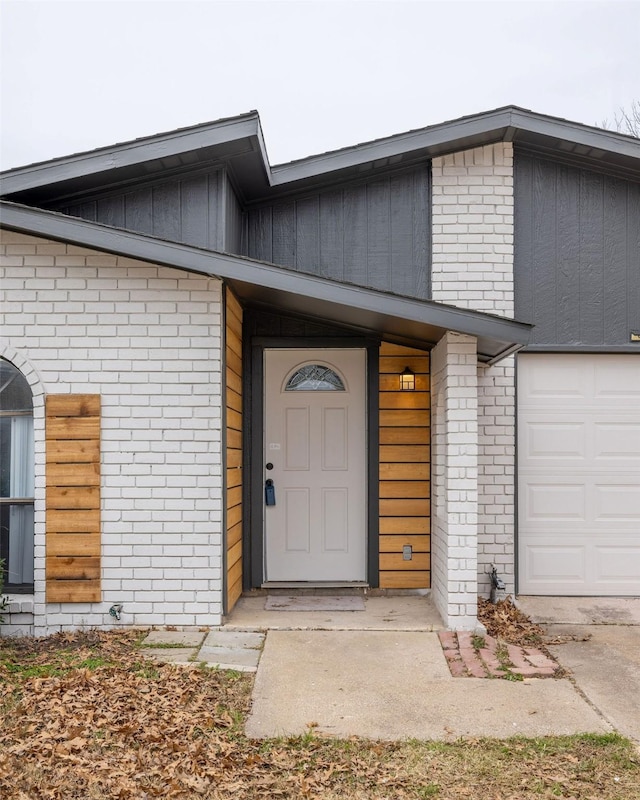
<point x="148" y="340"/>
<point x="472" y="228"/>
<point x="496" y="480"/>
<point x="455" y="480"/>
<point x="473" y="268"/>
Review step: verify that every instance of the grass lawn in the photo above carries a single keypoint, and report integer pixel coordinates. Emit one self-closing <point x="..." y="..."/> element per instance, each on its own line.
<point x="87" y="716"/>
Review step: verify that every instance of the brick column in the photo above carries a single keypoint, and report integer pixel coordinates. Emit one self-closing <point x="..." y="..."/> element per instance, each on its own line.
<point x="454" y="533"/>
<point x="473" y="268"/>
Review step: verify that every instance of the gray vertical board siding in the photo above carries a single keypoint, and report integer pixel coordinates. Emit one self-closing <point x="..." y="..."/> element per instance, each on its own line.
<point x="216" y="209"/>
<point x="373" y="233"/>
<point x="165" y="211"/>
<point x="633" y="246"/>
<point x="378" y="235"/>
<point x="233" y="221"/>
<point x="260" y="234"/>
<point x="421" y="235"/>
<point x="283" y="238"/>
<point x="138" y="210"/>
<point x="355" y="267"/>
<point x="110" y="211"/>
<point x="577" y="253"/>
<point x="188" y="209"/>
<point x="615" y="263"/>
<point x="331" y="223"/>
<point x="568" y="256"/>
<point x="194" y="210"/>
<point x="86" y="210"/>
<point x="307" y="233"/>
<point x="592" y="285"/>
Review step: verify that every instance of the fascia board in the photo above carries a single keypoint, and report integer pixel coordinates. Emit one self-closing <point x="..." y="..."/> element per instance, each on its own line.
<point x="596" y="138"/>
<point x="451" y="136"/>
<point x="447" y="133"/>
<point x="131" y="153"/>
<point x="474" y="130"/>
<point x="221" y="265"/>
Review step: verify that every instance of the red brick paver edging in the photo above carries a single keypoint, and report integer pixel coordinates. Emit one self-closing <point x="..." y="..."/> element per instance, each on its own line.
<point x="470" y="656"/>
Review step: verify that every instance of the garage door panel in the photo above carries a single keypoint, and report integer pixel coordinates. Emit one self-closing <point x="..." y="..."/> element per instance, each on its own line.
<point x="579" y="474"/>
<point x="618" y="564"/>
<point x="550" y="501"/>
<point x="590" y="505"/>
<point x="613" y="440"/>
<point x="553" y="382"/>
<point x="614" y="380"/>
<point x="615" y="502"/>
<point x="543" y="439"/>
<point x="617" y="440"/>
<point x="549" y="563"/>
<point x="562" y="568"/>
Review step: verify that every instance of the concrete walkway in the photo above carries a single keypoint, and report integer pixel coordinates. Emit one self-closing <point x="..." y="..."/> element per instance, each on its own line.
<point x="222" y="649"/>
<point x="382" y="673"/>
<point x="397" y="685"/>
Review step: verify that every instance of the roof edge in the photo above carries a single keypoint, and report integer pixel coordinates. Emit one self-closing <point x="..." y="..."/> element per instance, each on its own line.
<point x="495" y="125"/>
<point x="449" y="136"/>
<point x="136" y="151"/>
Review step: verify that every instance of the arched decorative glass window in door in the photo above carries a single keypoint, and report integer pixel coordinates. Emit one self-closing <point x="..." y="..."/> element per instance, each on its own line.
<point x="315" y="378"/>
<point x="16" y="478"/>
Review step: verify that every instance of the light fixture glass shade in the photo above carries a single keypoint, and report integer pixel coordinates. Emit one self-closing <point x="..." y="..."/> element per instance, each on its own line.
<point x="407" y="380"/>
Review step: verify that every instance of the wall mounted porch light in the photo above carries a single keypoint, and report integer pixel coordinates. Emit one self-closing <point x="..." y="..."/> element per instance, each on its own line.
<point x="407" y="380"/>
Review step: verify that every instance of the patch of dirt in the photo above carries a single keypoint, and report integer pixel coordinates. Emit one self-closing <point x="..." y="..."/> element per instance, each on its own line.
<point x="504" y="621"/>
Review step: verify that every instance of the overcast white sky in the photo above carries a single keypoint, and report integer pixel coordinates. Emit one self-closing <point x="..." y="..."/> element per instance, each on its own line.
<point x="322" y="73"/>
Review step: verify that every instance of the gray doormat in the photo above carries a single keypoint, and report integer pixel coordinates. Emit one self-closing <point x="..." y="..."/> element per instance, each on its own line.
<point x="314" y="603"/>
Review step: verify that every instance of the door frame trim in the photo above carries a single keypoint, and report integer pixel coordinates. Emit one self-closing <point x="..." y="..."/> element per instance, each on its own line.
<point x="253" y="534"/>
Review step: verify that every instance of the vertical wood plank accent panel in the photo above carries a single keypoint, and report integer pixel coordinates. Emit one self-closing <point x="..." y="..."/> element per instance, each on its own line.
<point x="73" y="498"/>
<point x="405" y="427"/>
<point x="233" y="358"/>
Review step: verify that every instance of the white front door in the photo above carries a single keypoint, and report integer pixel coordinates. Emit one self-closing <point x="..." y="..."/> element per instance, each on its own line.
<point x="315" y="454"/>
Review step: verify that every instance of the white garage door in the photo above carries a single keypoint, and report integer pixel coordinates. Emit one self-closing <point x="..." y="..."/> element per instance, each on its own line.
<point x="579" y="474"/>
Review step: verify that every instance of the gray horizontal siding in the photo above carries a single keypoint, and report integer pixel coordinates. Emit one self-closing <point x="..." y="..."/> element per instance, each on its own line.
<point x="577" y="254"/>
<point x="185" y="209"/>
<point x="374" y="233"/>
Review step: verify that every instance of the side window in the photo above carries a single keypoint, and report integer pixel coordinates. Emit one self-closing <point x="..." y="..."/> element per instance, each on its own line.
<point x="16" y="478"/>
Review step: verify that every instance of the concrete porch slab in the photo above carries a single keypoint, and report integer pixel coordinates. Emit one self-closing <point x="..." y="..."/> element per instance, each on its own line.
<point x="320" y="604"/>
<point x="388" y="613"/>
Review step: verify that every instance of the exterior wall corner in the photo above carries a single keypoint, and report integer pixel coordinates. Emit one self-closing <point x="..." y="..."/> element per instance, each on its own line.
<point x="455" y="480"/>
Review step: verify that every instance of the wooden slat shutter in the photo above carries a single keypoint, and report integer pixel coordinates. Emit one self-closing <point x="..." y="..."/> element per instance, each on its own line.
<point x="73" y="498"/>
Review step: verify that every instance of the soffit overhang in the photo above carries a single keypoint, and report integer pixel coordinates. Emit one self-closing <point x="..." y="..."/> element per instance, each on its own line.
<point x="402" y="319"/>
<point x="237" y="144"/>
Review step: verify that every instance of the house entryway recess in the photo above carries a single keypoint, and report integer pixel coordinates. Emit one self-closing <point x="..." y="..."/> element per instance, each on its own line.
<point x="315" y="465"/>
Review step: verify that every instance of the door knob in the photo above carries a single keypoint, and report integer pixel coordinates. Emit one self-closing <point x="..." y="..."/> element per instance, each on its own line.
<point x="269" y="465"/>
